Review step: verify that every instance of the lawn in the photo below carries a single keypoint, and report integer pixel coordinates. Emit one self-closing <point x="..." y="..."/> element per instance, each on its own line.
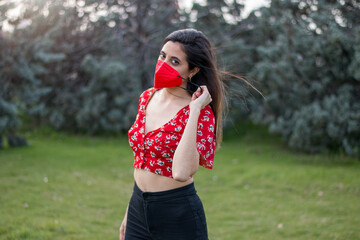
<point x="67" y="186"/>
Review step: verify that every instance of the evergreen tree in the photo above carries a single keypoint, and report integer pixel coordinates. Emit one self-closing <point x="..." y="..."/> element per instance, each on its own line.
<point x="81" y="65"/>
<point x="304" y="58"/>
<point x="65" y="41"/>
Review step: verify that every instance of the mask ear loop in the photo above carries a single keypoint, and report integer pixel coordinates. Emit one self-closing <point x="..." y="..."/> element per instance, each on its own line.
<point x="190" y="83"/>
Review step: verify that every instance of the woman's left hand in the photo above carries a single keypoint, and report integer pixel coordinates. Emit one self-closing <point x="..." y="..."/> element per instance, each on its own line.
<point x="200" y="100"/>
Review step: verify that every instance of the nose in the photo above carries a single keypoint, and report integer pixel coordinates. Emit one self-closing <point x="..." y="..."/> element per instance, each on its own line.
<point x="167" y="61"/>
<point x="159" y="64"/>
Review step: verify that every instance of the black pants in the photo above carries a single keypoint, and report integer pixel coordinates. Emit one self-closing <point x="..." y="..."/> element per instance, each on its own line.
<point x="175" y="214"/>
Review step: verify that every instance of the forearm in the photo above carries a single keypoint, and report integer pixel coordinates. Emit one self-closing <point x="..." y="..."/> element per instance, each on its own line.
<point x="186" y="157"/>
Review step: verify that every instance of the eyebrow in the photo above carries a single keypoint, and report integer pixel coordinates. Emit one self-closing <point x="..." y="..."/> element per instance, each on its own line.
<point x="173" y="57"/>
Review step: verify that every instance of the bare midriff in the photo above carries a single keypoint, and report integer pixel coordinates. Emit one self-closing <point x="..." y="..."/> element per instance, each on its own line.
<point x="151" y="182"/>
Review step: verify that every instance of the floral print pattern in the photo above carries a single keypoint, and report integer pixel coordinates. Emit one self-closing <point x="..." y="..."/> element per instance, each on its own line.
<point x="154" y="151"/>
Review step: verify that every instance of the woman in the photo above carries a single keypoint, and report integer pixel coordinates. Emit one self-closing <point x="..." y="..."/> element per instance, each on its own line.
<point x="178" y="127"/>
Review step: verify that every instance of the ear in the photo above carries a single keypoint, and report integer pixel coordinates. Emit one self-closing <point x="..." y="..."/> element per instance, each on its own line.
<point x="194" y="71"/>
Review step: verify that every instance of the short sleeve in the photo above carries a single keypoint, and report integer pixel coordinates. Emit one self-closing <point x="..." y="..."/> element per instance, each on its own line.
<point x="143" y="98"/>
<point x="205" y="138"/>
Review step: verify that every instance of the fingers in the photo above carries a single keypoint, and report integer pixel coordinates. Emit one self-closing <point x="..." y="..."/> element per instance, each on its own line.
<point x="206" y="91"/>
<point x="122" y="235"/>
<point x="201" y="97"/>
<point x="122" y="231"/>
<point x="198" y="92"/>
<point x="201" y="89"/>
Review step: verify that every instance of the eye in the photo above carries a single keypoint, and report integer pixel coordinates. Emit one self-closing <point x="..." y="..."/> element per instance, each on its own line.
<point x="162" y="55"/>
<point x="175" y="62"/>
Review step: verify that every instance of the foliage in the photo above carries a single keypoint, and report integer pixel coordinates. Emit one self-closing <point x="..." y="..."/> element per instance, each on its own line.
<point x="85" y="69"/>
<point x="81" y="65"/>
<point x="304" y="55"/>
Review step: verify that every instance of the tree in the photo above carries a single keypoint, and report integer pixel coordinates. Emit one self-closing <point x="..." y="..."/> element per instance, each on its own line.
<point x="304" y="61"/>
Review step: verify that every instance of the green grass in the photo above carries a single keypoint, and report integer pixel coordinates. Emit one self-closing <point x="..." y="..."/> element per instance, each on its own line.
<point x="77" y="187"/>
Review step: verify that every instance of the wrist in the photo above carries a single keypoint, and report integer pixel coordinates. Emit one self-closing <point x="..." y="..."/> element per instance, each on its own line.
<point x="195" y="110"/>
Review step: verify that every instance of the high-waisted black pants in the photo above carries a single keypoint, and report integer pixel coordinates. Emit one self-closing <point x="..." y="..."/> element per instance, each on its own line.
<point x="175" y="214"/>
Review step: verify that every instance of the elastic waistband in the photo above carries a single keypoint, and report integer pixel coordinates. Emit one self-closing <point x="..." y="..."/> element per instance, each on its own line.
<point x="172" y="193"/>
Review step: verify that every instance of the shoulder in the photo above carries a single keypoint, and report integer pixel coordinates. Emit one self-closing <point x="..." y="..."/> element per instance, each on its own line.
<point x="207" y="114"/>
<point x="144" y="96"/>
<point x="147" y="92"/>
<point x="206" y="122"/>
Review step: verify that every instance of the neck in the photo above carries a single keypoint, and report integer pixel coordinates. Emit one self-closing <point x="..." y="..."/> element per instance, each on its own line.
<point x="175" y="93"/>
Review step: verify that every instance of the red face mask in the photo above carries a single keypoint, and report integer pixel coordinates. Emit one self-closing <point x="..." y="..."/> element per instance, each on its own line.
<point x="167" y="77"/>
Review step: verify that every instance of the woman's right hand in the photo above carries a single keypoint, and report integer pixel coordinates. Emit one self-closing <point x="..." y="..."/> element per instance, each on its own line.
<point x="122" y="229"/>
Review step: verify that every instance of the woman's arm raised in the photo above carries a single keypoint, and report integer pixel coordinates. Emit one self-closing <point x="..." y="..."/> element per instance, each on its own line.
<point x="186" y="157"/>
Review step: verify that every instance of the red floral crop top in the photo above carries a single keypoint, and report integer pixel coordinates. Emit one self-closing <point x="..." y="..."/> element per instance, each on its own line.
<point x="154" y="151"/>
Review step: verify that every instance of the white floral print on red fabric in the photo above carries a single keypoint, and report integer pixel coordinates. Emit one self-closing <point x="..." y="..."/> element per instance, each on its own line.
<point x="155" y="150"/>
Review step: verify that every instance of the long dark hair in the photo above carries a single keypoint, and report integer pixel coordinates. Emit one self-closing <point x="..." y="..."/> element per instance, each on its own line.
<point x="200" y="53"/>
